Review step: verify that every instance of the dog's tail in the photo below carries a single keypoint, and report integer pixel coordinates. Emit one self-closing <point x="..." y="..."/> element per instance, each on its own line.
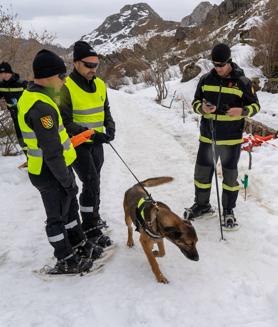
<point x="157" y="181"/>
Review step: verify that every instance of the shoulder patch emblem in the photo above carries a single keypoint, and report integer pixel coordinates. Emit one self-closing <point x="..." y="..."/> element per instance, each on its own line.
<point x="47" y="122"/>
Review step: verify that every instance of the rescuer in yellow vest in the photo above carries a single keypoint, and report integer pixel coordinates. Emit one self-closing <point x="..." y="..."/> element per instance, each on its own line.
<point x="224" y="97"/>
<point x="50" y="155"/>
<point x="84" y="105"/>
<point x="11" y="88"/>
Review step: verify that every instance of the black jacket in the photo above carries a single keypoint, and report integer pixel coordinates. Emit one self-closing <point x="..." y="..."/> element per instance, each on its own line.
<point x="12" y="89"/>
<point x="233" y="91"/>
<point x="48" y="139"/>
<point x="66" y="105"/>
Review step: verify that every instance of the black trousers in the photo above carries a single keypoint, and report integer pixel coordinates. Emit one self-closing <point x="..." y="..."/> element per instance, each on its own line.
<point x="88" y="165"/>
<point x="63" y="226"/>
<point x="229" y="156"/>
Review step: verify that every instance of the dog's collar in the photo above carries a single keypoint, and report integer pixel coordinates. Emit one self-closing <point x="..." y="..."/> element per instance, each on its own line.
<point x="147" y="226"/>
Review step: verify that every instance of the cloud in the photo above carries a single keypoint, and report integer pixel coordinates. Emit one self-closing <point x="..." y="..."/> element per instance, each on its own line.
<point x="67" y="29"/>
<point x="70" y="20"/>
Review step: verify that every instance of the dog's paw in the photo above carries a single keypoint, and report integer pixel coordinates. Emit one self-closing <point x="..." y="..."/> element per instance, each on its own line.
<point x="158" y="254"/>
<point x="162" y="279"/>
<point x="130" y="244"/>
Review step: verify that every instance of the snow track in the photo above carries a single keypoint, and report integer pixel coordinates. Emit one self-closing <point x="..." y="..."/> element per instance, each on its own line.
<point x="233" y="285"/>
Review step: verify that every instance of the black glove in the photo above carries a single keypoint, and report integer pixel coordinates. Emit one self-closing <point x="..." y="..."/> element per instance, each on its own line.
<point x="110" y="132"/>
<point x="99" y="138"/>
<point x="71" y="190"/>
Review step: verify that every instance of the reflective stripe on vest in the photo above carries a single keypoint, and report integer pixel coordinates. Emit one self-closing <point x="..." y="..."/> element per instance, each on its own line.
<point x="88" y="108"/>
<point x="11" y="89"/>
<point x="226" y="90"/>
<point x="34" y="153"/>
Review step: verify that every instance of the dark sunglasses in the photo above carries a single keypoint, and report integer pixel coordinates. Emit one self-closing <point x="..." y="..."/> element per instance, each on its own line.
<point x="221" y="64"/>
<point x="90" y="64"/>
<point x="62" y="76"/>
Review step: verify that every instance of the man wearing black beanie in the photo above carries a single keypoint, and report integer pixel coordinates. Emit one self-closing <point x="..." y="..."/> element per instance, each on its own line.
<point x="224" y="97"/>
<point x="50" y="155"/>
<point x="11" y="88"/>
<point x="85" y="105"/>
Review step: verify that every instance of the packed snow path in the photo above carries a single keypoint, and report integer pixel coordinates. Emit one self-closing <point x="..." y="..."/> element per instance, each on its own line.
<point x="233" y="285"/>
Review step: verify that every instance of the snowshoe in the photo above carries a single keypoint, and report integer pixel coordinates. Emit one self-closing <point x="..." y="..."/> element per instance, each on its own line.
<point x="74" y="265"/>
<point x="46" y="273"/>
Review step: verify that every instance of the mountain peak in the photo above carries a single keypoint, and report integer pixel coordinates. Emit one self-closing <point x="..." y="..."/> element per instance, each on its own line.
<point x="140" y="9"/>
<point x="198" y="15"/>
<point x="121" y="30"/>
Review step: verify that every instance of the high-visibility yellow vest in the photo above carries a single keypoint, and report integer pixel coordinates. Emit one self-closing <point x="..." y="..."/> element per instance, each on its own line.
<point x="34" y="152"/>
<point x="88" y="108"/>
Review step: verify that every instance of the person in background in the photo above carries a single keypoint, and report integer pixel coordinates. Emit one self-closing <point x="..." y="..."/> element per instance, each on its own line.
<point x="226" y="96"/>
<point x="84" y="105"/>
<point x="50" y="156"/>
<point x="11" y="88"/>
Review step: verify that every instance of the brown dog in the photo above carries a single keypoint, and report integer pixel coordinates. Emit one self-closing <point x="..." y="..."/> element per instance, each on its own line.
<point x="154" y="221"/>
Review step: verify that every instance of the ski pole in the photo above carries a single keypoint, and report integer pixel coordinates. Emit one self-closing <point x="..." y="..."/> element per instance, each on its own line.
<point x="148" y="194"/>
<point x="215" y="172"/>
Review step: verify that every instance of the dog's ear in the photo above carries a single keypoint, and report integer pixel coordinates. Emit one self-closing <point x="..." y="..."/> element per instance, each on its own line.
<point x="172" y="232"/>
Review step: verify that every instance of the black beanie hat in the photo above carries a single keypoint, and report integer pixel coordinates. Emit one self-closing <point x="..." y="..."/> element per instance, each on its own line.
<point x="5" y="67"/>
<point x="221" y="53"/>
<point x="46" y="63"/>
<point x="82" y="50"/>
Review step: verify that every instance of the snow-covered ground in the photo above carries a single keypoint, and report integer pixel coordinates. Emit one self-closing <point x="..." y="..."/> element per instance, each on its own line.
<point x="235" y="283"/>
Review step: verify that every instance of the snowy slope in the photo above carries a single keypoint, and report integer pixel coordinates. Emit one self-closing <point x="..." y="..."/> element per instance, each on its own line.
<point x="125" y="29"/>
<point x="235" y="283"/>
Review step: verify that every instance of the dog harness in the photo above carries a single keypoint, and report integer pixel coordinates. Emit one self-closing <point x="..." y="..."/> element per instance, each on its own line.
<point x="141" y="222"/>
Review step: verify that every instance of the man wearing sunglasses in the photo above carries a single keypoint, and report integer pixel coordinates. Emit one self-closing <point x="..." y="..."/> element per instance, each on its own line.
<point x="226" y="96"/>
<point x="85" y="105"/>
<point x="50" y="155"/>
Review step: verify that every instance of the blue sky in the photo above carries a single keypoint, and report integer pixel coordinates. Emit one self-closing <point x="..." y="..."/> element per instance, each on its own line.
<point x="70" y="20"/>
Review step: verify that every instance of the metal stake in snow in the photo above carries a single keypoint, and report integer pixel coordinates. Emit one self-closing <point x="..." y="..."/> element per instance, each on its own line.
<point x="245" y="185"/>
<point x="183" y="112"/>
<point x="169" y="107"/>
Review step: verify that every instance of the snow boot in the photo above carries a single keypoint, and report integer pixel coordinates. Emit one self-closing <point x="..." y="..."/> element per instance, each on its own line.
<point x="198" y="211"/>
<point x="97" y="237"/>
<point x="89" y="251"/>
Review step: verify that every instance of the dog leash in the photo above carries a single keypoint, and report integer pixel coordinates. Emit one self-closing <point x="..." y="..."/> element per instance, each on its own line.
<point x="148" y="194"/>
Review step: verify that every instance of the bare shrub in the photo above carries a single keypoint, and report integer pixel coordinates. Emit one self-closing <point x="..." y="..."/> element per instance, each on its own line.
<point x="19" y="49"/>
<point x="156" y="60"/>
<point x="7" y="135"/>
<point x="267" y="42"/>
